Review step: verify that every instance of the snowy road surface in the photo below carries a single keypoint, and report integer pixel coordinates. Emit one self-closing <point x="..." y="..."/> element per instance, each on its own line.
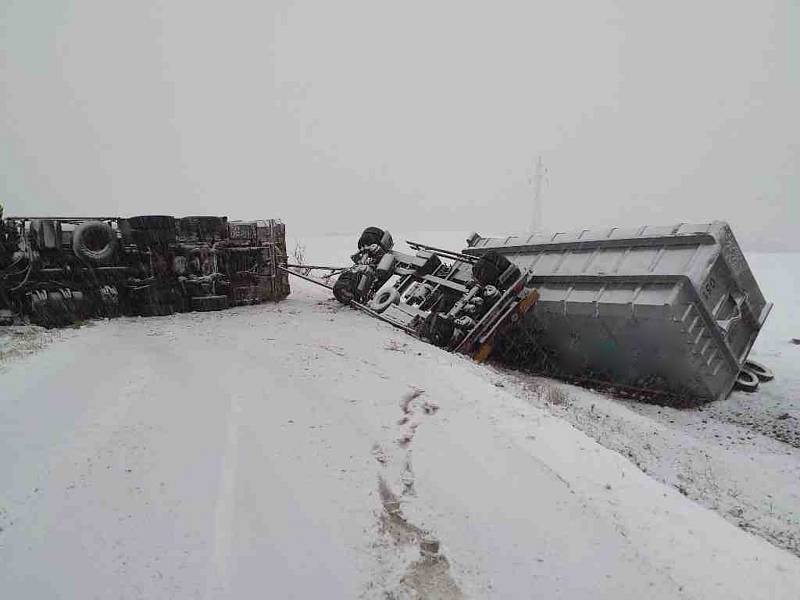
<point x="303" y="450"/>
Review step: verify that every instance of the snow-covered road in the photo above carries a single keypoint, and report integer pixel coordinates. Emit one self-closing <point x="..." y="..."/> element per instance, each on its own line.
<point x="303" y="450"/>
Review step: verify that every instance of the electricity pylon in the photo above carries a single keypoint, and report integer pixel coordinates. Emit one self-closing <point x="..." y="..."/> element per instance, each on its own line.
<point x="538" y="177"/>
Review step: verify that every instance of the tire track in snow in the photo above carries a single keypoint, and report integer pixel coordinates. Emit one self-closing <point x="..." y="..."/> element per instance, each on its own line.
<point x="427" y="576"/>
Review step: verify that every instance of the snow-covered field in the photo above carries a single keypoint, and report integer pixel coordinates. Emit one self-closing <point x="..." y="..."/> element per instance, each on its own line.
<point x="304" y="450"/>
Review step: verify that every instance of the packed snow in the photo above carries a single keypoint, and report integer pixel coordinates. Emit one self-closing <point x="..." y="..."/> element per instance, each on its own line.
<point x="305" y="450"/>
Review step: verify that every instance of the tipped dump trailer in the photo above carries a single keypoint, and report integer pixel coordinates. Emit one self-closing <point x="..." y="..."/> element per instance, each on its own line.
<point x="670" y="309"/>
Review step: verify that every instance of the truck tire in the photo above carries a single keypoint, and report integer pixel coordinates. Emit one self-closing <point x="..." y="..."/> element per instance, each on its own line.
<point x="384" y="299"/>
<point x="150" y="230"/>
<point x="152" y="222"/>
<point x="371" y="235"/>
<point x="746" y="381"/>
<point x="94" y="241"/>
<point x="204" y="228"/>
<point x="209" y="303"/>
<point x="489" y="267"/>
<point x="376" y="235"/>
<point x="345" y="290"/>
<point x="762" y="372"/>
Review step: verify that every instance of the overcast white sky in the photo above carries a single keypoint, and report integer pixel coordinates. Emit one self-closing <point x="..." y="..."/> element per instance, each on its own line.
<point x="334" y="115"/>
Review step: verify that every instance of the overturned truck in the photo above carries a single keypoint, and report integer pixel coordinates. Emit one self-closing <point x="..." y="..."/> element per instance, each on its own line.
<point x="56" y="271"/>
<point x="662" y="313"/>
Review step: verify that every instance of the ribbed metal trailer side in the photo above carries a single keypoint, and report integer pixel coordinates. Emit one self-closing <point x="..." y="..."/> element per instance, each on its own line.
<point x="671" y="308"/>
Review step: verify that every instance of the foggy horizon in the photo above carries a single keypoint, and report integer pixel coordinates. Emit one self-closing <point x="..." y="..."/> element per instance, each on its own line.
<point x="410" y="116"/>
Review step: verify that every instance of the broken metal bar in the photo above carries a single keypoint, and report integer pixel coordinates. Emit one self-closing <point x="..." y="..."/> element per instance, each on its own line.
<point x="315" y="267"/>
<point x="446" y="253"/>
<point x="358" y="305"/>
<point x="306" y="277"/>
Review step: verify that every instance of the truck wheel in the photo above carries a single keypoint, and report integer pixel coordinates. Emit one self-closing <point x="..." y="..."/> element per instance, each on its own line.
<point x="747" y="381"/>
<point x="376" y="235"/>
<point x="94" y="241"/>
<point x="151" y="230"/>
<point x="345" y="290"/>
<point x="371" y="235"/>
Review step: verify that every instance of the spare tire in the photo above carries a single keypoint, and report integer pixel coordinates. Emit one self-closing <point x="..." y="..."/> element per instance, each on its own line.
<point x="763" y="372"/>
<point x="746" y="381"/>
<point x="384" y="299"/>
<point x="489" y="267"/>
<point x="94" y="241"/>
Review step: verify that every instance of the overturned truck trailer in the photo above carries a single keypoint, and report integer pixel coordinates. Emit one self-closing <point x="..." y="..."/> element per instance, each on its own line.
<point x="665" y="313"/>
<point x="674" y="309"/>
<point x="56" y="271"/>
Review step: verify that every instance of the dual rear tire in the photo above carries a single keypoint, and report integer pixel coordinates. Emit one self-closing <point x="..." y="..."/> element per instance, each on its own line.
<point x="751" y="375"/>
